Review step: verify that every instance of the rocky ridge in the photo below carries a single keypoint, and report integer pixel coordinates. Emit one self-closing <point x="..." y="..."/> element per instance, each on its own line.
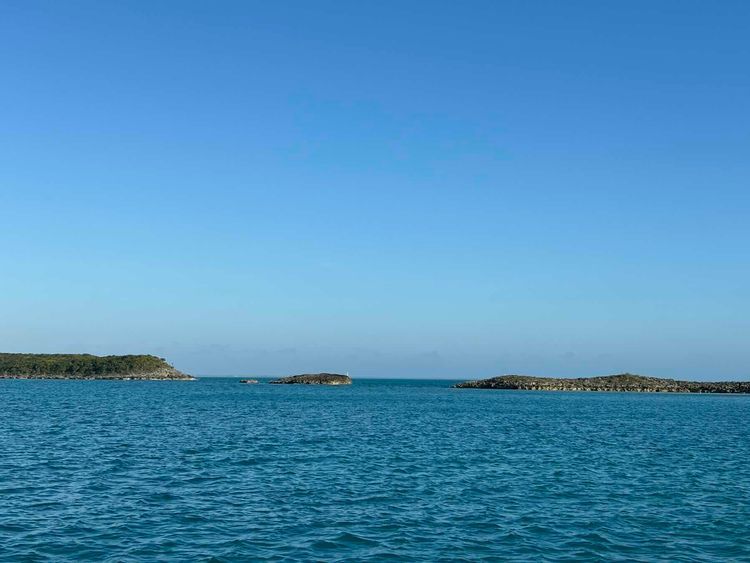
<point x="621" y="382"/>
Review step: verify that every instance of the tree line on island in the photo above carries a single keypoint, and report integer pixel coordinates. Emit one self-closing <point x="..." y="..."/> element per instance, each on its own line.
<point x="86" y="366"/>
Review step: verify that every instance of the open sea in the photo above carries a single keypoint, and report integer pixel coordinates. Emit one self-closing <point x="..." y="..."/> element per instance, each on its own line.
<point x="381" y="470"/>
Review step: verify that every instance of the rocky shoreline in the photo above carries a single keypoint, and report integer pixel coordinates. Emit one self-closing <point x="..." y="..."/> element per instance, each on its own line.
<point x="314" y="379"/>
<point x="625" y="382"/>
<point x="149" y="376"/>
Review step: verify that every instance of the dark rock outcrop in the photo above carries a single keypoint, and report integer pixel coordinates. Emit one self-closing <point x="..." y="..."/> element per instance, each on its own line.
<point x="315" y="379"/>
<point x="621" y="382"/>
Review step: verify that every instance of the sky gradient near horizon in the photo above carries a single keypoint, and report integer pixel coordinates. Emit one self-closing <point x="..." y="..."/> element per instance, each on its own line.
<point x="425" y="189"/>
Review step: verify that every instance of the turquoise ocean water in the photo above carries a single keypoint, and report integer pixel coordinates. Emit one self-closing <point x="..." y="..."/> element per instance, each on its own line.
<point x="383" y="470"/>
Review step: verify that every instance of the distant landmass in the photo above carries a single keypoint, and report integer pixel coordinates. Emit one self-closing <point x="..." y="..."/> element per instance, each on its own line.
<point x="315" y="379"/>
<point x="620" y="382"/>
<point x="87" y="366"/>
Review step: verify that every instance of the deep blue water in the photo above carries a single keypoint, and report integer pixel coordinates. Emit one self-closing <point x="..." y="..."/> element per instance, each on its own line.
<point x="383" y="470"/>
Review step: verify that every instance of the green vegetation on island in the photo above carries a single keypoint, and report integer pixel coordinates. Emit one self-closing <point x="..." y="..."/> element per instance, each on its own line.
<point x="86" y="366"/>
<point x="620" y="382"/>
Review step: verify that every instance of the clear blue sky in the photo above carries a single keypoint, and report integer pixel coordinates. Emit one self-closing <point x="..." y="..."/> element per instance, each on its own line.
<point x="390" y="188"/>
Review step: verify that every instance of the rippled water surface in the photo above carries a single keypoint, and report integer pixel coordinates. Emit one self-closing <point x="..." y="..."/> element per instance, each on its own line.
<point x="383" y="470"/>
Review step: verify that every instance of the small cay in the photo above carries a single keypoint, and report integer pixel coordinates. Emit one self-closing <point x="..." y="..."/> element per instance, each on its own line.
<point x="621" y="382"/>
<point x="315" y="379"/>
<point x="87" y="366"/>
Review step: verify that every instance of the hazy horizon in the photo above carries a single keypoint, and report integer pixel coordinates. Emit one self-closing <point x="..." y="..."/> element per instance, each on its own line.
<point x="422" y="189"/>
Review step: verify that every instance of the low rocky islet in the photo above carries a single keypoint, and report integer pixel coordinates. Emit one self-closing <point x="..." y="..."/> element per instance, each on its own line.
<point x="314" y="379"/>
<point x="624" y="382"/>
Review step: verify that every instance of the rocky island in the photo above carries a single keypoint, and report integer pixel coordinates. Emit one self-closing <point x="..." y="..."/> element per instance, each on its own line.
<point x="620" y="382"/>
<point x="315" y="379"/>
<point x="87" y="366"/>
